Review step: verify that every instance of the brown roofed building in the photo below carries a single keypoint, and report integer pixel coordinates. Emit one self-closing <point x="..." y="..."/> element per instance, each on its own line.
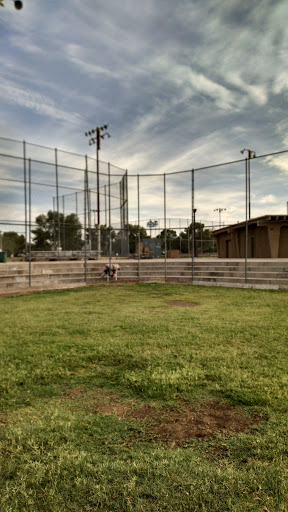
<point x="267" y="238"/>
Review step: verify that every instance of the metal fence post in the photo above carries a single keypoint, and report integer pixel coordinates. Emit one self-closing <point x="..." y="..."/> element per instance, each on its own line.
<point x="76" y="206"/>
<point x="139" y="240"/>
<point x="110" y="227"/>
<point x="30" y="208"/>
<point x="193" y="221"/>
<point x="105" y="197"/>
<point x="25" y="192"/>
<point x="85" y="217"/>
<point x="165" y="229"/>
<point x="57" y="198"/>
<point x="63" y="240"/>
<point x="126" y="226"/>
<point x="246" y="217"/>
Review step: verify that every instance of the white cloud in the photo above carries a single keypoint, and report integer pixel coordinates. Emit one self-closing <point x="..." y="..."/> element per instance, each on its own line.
<point x="182" y="85"/>
<point x="257" y="93"/>
<point x="279" y="162"/>
<point x="26" y="45"/>
<point x="281" y="84"/>
<point x="75" y="55"/>
<point x="269" y="199"/>
<point x="36" y="102"/>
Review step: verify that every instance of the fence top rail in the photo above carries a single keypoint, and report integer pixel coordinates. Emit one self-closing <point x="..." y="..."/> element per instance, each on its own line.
<point x="52" y="149"/>
<point x="125" y="171"/>
<point x="63" y="166"/>
<point x="212" y="166"/>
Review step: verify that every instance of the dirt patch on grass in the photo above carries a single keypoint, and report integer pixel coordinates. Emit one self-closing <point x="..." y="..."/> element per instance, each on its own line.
<point x="177" y="425"/>
<point x="74" y="394"/>
<point x="110" y="404"/>
<point x="181" y="304"/>
<point x="177" y="303"/>
<point x="186" y="422"/>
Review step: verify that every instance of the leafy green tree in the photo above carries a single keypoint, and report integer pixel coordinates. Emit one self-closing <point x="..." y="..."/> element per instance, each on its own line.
<point x="170" y="234"/>
<point x="134" y="231"/>
<point x="13" y="243"/>
<point x="200" y="231"/>
<point x="172" y="239"/>
<point x="53" y="227"/>
<point x="105" y="234"/>
<point x="71" y="233"/>
<point x="184" y="242"/>
<point x="203" y="237"/>
<point x="43" y="233"/>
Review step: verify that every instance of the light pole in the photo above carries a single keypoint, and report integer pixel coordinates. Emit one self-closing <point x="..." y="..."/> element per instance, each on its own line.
<point x="152" y="224"/>
<point x="220" y="210"/>
<point x="251" y="154"/>
<point x="97" y="140"/>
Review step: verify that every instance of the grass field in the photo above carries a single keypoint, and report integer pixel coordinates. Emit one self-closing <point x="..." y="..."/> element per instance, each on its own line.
<point x="144" y="398"/>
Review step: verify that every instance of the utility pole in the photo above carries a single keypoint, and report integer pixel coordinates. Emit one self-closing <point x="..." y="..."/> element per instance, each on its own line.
<point x="97" y="140"/>
<point x="251" y="154"/>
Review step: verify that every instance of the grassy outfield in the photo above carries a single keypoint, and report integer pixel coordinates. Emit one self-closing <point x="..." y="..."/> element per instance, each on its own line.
<point x="144" y="398"/>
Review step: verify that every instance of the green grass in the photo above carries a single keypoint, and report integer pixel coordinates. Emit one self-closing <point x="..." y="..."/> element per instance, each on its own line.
<point x="63" y="353"/>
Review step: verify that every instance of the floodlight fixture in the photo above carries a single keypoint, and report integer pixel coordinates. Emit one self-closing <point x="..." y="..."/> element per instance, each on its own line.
<point x="251" y="154"/>
<point x="105" y="135"/>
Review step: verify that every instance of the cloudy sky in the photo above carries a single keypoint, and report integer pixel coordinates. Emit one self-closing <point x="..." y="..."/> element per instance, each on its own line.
<point x="181" y="84"/>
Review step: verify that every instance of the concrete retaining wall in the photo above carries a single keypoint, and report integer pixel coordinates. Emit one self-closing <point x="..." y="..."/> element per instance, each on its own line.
<point x="50" y="275"/>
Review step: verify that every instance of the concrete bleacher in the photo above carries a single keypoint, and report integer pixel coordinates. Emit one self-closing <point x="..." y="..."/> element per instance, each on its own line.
<point x="269" y="273"/>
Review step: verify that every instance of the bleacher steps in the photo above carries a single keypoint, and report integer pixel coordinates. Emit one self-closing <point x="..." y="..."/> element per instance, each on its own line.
<point x="63" y="274"/>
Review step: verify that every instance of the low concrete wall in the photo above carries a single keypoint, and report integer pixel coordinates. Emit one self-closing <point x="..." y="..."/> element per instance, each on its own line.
<point x="209" y="271"/>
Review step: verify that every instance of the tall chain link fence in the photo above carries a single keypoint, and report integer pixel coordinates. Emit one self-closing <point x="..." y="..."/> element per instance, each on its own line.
<point x="51" y="202"/>
<point x="184" y="208"/>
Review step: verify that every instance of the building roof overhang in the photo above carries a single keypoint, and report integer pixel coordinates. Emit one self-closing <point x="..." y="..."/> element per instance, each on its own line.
<point x="258" y="221"/>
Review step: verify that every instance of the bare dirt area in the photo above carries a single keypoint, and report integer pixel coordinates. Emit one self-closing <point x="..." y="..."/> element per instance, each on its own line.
<point x="181" y="304"/>
<point x="177" y="425"/>
<point x="186" y="422"/>
<point x="177" y="303"/>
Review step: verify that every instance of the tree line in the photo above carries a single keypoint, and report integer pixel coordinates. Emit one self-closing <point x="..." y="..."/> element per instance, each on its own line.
<point x="51" y="231"/>
<point x="203" y="240"/>
<point x="55" y="230"/>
